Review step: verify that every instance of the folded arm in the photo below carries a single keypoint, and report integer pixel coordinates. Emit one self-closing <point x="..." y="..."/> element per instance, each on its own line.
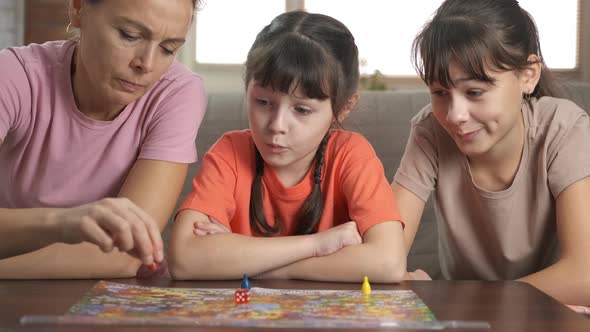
<point x="381" y="257"/>
<point x="568" y="280"/>
<point x="228" y="256"/>
<point x="78" y="242"/>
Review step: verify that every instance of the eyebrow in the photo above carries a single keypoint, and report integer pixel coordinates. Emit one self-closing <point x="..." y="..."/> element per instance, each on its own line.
<point x="298" y="97"/>
<point x="145" y="29"/>
<point x="465" y="79"/>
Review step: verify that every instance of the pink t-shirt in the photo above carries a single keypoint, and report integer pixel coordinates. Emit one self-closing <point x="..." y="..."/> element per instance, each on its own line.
<point x="52" y="155"/>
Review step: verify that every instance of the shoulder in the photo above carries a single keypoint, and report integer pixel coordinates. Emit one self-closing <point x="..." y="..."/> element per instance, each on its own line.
<point x="555" y="110"/>
<point x="178" y="75"/>
<point x="235" y="149"/>
<point x="34" y="63"/>
<point x="53" y="52"/>
<point x="233" y="142"/>
<point x="12" y="67"/>
<point x="346" y="139"/>
<point x="347" y="145"/>
<point x="424" y="124"/>
<point x="424" y="118"/>
<point x="556" y="116"/>
<point x="425" y="128"/>
<point x="179" y="88"/>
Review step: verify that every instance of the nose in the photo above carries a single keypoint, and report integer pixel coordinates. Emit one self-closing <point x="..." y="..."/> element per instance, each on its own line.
<point x="277" y="123"/>
<point x="143" y="61"/>
<point x="458" y="112"/>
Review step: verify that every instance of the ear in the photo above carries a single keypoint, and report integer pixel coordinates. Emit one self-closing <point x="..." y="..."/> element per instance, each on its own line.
<point x="529" y="77"/>
<point x="75" y="12"/>
<point x="349" y="106"/>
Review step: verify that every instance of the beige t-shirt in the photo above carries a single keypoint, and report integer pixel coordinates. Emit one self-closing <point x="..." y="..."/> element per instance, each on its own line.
<point x="510" y="233"/>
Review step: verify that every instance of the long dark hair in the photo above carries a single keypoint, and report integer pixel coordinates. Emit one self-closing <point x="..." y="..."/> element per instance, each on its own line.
<point x="480" y="34"/>
<point x="317" y="54"/>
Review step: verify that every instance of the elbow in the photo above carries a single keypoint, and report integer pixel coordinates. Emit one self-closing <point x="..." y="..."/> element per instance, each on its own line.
<point x="177" y="273"/>
<point x="398" y="269"/>
<point x="391" y="269"/>
<point x="186" y="261"/>
<point x="178" y="265"/>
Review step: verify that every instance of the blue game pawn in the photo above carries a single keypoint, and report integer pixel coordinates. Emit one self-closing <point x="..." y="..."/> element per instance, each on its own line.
<point x="245" y="282"/>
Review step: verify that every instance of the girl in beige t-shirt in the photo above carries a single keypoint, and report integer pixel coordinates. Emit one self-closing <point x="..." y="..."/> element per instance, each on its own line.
<point x="507" y="161"/>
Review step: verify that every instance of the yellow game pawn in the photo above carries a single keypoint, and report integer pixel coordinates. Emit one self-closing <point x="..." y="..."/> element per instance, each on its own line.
<point x="366" y="287"/>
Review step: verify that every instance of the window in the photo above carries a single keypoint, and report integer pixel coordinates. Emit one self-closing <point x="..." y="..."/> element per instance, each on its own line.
<point x="383" y="29"/>
<point x="558" y="31"/>
<point x="227" y="28"/>
<point x="396" y="25"/>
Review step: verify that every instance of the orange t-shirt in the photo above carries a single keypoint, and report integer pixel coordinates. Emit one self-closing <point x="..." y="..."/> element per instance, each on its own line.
<point x="354" y="186"/>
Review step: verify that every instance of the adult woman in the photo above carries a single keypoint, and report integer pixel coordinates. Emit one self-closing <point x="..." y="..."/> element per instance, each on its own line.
<point x="95" y="137"/>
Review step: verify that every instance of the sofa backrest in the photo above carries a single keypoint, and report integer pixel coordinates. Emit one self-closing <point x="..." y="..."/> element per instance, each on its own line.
<point x="383" y="117"/>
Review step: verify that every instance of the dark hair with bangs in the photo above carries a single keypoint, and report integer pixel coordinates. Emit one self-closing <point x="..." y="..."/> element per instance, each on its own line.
<point x="317" y="54"/>
<point x="479" y="35"/>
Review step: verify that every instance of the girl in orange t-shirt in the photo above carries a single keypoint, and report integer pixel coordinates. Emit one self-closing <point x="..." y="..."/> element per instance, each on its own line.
<point x="291" y="197"/>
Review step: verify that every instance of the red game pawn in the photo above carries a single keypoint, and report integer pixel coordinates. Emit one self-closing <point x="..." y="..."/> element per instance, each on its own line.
<point x="242" y="296"/>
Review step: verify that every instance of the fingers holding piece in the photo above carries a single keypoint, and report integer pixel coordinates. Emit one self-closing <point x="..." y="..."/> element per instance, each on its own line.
<point x="115" y="223"/>
<point x="129" y="226"/>
<point x="93" y="233"/>
<point x="153" y="232"/>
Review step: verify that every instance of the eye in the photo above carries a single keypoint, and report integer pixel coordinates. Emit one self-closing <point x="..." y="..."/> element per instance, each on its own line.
<point x="261" y="102"/>
<point x="127" y="36"/>
<point x="303" y="110"/>
<point x="168" y="51"/>
<point x="475" y="93"/>
<point x="439" y="93"/>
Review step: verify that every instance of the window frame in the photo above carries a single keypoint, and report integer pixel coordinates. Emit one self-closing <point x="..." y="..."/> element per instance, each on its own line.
<point x="228" y="72"/>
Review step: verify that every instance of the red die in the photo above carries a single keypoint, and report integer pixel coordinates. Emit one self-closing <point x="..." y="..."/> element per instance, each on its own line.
<point x="242" y="296"/>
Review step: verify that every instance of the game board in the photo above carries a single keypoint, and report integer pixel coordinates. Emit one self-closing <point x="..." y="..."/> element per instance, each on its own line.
<point x="114" y="303"/>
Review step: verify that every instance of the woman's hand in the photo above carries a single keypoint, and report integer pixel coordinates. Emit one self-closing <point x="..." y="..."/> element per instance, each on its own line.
<point x="111" y="223"/>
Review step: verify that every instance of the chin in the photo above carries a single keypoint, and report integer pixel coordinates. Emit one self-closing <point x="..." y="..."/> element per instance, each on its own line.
<point x="126" y="98"/>
<point x="474" y="151"/>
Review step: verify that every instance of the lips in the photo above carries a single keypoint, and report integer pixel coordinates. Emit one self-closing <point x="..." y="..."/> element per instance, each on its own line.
<point x="276" y="148"/>
<point x="467" y="135"/>
<point x="130" y="86"/>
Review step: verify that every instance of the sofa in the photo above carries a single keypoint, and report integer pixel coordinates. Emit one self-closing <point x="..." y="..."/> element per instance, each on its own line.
<point x="383" y="117"/>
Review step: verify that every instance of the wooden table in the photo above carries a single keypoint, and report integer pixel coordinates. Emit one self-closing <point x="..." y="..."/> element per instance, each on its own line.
<point x="507" y="306"/>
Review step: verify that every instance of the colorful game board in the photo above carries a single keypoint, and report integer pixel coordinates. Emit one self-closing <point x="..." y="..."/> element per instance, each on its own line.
<point x="114" y="303"/>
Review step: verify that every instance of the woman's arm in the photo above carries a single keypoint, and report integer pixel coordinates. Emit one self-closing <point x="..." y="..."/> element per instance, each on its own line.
<point x="131" y="223"/>
<point x="229" y="255"/>
<point x="568" y="280"/>
<point x="381" y="257"/>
